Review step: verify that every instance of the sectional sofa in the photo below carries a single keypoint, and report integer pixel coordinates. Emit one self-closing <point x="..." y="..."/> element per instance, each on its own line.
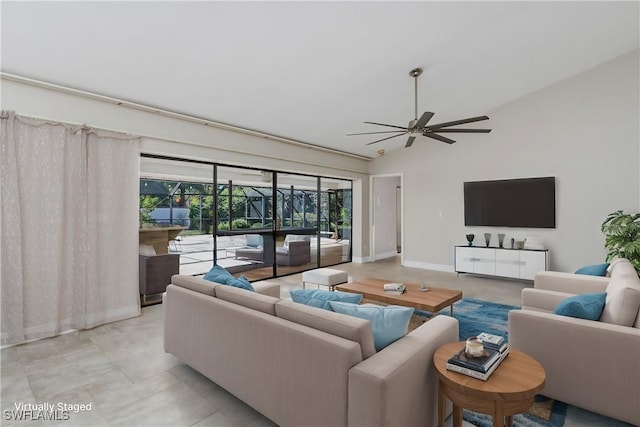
<point x="301" y="365"/>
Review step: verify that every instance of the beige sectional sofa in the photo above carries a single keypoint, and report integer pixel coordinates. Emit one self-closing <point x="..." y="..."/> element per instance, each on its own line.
<point x="300" y="365"/>
<point x="590" y="364"/>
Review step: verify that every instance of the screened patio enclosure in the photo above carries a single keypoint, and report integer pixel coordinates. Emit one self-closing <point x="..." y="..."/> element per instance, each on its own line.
<point x="259" y="223"/>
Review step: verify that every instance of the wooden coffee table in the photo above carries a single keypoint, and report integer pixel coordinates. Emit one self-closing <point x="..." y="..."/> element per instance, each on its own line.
<point x="509" y="390"/>
<point x="434" y="300"/>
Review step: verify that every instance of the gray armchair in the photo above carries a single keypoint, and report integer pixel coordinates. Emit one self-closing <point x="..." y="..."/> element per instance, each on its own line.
<point x="155" y="273"/>
<point x="297" y="252"/>
<point x="254" y="248"/>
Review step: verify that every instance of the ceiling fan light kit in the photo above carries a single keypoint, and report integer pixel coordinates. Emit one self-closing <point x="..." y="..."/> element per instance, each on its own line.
<point x="419" y="126"/>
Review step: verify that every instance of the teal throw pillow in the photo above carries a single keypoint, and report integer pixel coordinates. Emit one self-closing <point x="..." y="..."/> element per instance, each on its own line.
<point x="240" y="282"/>
<point x="254" y="240"/>
<point x="388" y="324"/>
<point x="321" y="299"/>
<point x="594" y="270"/>
<point x="584" y="306"/>
<point x="221" y="275"/>
<point x="217" y="274"/>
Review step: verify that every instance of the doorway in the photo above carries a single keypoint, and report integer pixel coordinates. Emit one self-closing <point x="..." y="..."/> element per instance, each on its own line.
<point x="386" y="216"/>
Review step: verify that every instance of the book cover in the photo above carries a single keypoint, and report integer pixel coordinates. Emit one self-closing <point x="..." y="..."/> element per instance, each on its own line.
<point x="495" y="340"/>
<point x="394" y="288"/>
<point x="476" y="374"/>
<point x="480" y="364"/>
<point x="472" y="372"/>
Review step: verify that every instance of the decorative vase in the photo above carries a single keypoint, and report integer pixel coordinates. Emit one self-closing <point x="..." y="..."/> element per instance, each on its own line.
<point x="501" y="240"/>
<point x="470" y="238"/>
<point x="487" y="238"/>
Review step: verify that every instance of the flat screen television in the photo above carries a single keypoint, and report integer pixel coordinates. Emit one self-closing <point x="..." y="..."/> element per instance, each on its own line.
<point x="527" y="203"/>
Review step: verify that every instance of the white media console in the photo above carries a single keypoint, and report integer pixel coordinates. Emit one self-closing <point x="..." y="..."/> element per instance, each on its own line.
<point x="503" y="262"/>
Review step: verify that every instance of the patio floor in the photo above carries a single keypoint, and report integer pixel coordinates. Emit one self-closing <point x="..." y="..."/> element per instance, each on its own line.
<point x="196" y="254"/>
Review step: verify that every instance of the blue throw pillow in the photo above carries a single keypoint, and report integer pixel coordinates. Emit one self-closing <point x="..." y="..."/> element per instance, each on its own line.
<point x="320" y="299"/>
<point x="584" y="306"/>
<point x="217" y="274"/>
<point x="594" y="270"/>
<point x="220" y="275"/>
<point x="254" y="240"/>
<point x="388" y="324"/>
<point x="240" y="282"/>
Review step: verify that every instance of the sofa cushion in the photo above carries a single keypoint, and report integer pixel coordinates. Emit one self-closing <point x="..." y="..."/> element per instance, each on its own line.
<point x="583" y="306"/>
<point x="623" y="295"/>
<point x="195" y="284"/>
<point x="388" y="323"/>
<point x="351" y="328"/>
<point x="321" y="298"/>
<point x="254" y="240"/>
<point x="245" y="298"/>
<point x="221" y="275"/>
<point x="594" y="270"/>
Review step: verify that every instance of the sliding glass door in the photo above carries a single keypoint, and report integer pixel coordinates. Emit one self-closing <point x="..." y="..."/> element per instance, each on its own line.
<point x="178" y="196"/>
<point x="258" y="223"/>
<point x="244" y="229"/>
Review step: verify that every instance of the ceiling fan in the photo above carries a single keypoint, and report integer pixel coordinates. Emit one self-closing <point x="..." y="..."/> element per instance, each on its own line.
<point x="420" y="126"/>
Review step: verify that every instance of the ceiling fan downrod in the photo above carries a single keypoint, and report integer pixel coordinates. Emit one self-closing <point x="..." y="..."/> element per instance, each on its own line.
<point x="415" y="73"/>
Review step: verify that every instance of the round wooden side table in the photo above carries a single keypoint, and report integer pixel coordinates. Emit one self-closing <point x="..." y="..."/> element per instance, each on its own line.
<point x="509" y="390"/>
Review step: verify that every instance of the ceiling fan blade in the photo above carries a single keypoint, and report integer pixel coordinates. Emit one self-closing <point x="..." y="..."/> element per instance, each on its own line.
<point x="410" y="141"/>
<point x="459" y="122"/>
<point x="372" y="133"/>
<point x="464" y="130"/>
<point x="438" y="137"/>
<point x="389" y="137"/>
<point x="424" y="119"/>
<point x="382" y="124"/>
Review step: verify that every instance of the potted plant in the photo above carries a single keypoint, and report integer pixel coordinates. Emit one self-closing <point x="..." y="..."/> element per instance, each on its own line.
<point x="622" y="237"/>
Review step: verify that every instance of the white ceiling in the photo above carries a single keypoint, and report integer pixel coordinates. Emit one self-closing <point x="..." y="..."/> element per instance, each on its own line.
<point x="314" y="71"/>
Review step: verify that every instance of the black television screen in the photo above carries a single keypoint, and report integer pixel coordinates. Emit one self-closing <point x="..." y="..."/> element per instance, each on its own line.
<point x="528" y="202"/>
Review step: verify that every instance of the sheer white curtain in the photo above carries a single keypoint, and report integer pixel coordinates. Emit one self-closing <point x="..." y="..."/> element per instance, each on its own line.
<point x="68" y="224"/>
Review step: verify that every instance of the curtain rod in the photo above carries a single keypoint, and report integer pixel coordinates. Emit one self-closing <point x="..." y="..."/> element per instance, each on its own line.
<point x="195" y="144"/>
<point x="174" y="115"/>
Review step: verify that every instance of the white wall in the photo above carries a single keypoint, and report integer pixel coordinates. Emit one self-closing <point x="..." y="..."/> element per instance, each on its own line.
<point x="583" y="130"/>
<point x="384" y="215"/>
<point x="179" y="138"/>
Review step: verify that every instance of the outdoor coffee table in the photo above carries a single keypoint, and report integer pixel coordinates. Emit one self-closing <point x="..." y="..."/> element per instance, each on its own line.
<point x="433" y="300"/>
<point x="509" y="390"/>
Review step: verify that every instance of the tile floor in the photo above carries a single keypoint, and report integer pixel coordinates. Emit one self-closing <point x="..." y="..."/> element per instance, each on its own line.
<point x="122" y="371"/>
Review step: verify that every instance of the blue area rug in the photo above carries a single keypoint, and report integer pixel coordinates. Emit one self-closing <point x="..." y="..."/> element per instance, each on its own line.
<point x="476" y="316"/>
<point x="558" y="414"/>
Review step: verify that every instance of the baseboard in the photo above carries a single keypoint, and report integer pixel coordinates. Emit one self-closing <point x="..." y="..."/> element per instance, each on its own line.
<point x="360" y="260"/>
<point x="429" y="266"/>
<point x="386" y="255"/>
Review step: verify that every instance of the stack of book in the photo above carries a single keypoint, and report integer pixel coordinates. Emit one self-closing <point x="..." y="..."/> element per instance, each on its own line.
<point x="481" y="367"/>
<point x="394" y="288"/>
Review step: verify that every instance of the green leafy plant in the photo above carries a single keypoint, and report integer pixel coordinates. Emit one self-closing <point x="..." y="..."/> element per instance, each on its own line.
<point x="622" y="237"/>
<point x="147" y="205"/>
<point x="239" y="223"/>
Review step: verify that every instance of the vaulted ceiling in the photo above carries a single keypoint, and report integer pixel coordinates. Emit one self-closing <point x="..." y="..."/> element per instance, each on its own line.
<point x="314" y="71"/>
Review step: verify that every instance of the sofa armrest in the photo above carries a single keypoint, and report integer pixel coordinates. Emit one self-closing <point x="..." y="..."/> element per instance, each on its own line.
<point x="542" y="299"/>
<point x="569" y="282"/>
<point x="398" y="385"/>
<point x="588" y="364"/>
<point x="267" y="288"/>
